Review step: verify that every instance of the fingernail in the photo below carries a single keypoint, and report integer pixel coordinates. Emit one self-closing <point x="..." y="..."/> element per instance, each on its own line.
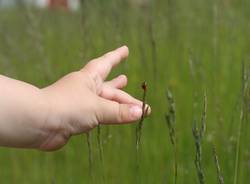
<point x="124" y="46"/>
<point x="147" y="109"/>
<point x="136" y="111"/>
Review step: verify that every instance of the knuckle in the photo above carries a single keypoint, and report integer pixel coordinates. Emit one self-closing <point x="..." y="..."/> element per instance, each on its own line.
<point x="98" y="113"/>
<point x="114" y="95"/>
<point x="121" y="114"/>
<point x="90" y="79"/>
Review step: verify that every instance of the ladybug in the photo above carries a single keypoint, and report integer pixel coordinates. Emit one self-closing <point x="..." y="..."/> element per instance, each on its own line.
<point x="144" y="86"/>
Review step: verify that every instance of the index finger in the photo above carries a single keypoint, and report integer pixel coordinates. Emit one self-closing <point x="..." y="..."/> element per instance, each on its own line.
<point x="103" y="65"/>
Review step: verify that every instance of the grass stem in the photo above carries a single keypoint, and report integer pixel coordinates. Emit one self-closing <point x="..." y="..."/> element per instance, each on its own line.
<point x="218" y="169"/>
<point x="198" y="134"/>
<point x="171" y="123"/>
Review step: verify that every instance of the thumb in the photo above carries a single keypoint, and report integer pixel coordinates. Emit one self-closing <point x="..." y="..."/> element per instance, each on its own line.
<point x="110" y="112"/>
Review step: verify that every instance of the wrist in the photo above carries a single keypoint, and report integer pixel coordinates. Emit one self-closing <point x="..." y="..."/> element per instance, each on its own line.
<point x="54" y="122"/>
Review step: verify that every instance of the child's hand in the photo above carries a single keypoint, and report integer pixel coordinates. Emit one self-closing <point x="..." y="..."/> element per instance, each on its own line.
<point x="81" y="100"/>
<point x="46" y="118"/>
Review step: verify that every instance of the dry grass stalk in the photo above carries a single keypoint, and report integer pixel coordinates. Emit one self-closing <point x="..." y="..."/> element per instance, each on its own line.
<point x="100" y="148"/>
<point x="198" y="134"/>
<point x="139" y="128"/>
<point x="218" y="169"/>
<point x="99" y="141"/>
<point x="144" y="112"/>
<point x="90" y="158"/>
<point x="171" y="123"/>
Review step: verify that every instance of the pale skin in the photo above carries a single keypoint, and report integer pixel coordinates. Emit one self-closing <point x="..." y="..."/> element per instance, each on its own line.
<point x="46" y="118"/>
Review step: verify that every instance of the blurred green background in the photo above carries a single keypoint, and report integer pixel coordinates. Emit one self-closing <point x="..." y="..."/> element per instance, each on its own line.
<point x="190" y="47"/>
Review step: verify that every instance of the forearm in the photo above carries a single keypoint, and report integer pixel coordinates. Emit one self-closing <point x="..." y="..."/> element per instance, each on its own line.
<point x="23" y="113"/>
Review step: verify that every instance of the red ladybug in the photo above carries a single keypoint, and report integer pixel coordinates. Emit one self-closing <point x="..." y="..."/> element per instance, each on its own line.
<point x="144" y="86"/>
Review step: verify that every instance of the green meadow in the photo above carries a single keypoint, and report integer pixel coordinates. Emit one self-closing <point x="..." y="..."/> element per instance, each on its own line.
<point x="191" y="48"/>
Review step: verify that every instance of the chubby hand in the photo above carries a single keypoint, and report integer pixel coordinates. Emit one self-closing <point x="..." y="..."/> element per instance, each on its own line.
<point x="83" y="99"/>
